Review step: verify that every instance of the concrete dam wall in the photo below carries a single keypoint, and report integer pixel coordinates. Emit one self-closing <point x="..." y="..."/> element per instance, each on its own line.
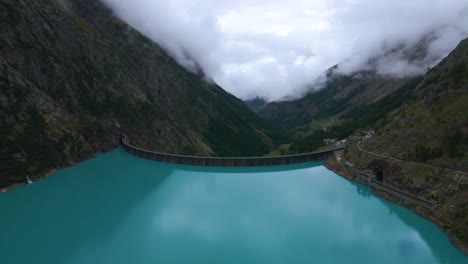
<point x="227" y="161"/>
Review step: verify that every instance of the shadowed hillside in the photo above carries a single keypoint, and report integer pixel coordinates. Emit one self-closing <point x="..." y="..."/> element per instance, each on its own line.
<point x="73" y="78"/>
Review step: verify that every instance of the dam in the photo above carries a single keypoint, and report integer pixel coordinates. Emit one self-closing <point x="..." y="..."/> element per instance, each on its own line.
<point x="228" y="161"/>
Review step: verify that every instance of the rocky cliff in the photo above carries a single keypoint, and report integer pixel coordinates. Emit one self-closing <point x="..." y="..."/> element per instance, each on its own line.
<point x="73" y="78"/>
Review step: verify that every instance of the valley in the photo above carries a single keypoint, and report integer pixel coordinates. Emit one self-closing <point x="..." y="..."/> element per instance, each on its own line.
<point x="419" y="139"/>
<point x="75" y="78"/>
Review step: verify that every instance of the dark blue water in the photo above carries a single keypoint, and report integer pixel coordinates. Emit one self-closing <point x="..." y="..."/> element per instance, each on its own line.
<point x="118" y="208"/>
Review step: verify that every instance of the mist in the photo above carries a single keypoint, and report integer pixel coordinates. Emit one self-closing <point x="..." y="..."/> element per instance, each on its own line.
<point x="276" y="49"/>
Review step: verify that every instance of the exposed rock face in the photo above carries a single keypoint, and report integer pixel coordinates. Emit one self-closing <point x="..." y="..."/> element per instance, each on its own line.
<point x="73" y="77"/>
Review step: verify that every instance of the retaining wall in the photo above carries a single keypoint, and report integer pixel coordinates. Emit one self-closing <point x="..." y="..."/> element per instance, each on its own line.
<point x="405" y="196"/>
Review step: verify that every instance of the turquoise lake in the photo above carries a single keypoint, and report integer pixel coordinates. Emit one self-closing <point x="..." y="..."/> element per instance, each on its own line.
<point x="117" y="208"/>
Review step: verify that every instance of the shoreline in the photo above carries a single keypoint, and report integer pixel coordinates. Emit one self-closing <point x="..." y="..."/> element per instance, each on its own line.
<point x="431" y="217"/>
<point x="337" y="168"/>
<point x="54" y="170"/>
<point x="40" y="178"/>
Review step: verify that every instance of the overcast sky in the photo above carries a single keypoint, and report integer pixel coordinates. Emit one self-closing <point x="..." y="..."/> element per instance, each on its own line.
<point x="275" y="48"/>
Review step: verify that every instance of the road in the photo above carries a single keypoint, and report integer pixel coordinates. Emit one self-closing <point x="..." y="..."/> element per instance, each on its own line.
<point x="412" y="162"/>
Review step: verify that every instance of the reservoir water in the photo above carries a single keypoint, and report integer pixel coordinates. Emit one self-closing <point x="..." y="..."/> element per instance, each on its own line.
<point x="117" y="208"/>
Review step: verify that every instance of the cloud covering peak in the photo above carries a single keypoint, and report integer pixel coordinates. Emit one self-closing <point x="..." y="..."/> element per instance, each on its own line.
<point x="275" y="48"/>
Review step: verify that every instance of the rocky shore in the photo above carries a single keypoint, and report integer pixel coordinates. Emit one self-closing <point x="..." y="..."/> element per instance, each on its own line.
<point x="432" y="215"/>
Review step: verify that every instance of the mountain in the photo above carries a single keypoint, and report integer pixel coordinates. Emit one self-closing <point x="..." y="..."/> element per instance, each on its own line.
<point x="345" y="103"/>
<point x="74" y="77"/>
<point x="256" y="104"/>
<point x="340" y="95"/>
<point x="425" y="120"/>
<point x="421" y="147"/>
<point x="432" y="125"/>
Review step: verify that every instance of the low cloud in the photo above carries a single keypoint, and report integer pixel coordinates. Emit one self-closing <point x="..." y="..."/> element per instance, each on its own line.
<point x="273" y="48"/>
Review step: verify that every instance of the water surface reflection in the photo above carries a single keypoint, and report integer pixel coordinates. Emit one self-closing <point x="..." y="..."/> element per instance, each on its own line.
<point x="121" y="209"/>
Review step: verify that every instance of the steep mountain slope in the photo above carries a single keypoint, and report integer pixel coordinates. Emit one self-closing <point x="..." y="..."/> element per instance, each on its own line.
<point x="73" y="78"/>
<point x="432" y="127"/>
<point x="421" y="147"/>
<point x="341" y="94"/>
<point x="421" y="141"/>
<point x="346" y="103"/>
<point x="256" y="104"/>
<point x="345" y="94"/>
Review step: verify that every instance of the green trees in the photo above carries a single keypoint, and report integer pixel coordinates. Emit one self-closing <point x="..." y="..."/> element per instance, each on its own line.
<point x="308" y="143"/>
<point x="459" y="71"/>
<point x="424" y="153"/>
<point x="454" y="148"/>
<point x="456" y="145"/>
